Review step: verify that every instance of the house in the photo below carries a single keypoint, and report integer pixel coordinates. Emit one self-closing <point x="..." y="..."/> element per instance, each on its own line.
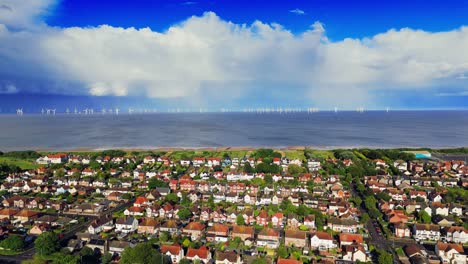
<point x="309" y="221"/>
<point x="38" y="229"/>
<point x="401" y="230"/>
<point x="288" y="261"/>
<point x="426" y="232"/>
<point x="126" y="224"/>
<point x="243" y="232"/>
<point x="174" y="252"/>
<point x="456" y="234"/>
<point x="277" y="219"/>
<point x="343" y="225"/>
<point x="47" y="219"/>
<point x="262" y="218"/>
<point x="149" y="160"/>
<point x="134" y="210"/>
<point x="295" y="238"/>
<point x="148" y="226"/>
<point x="355" y="253"/>
<point x="202" y="254"/>
<point x="194" y="230"/>
<point x="228" y="257"/>
<point x="322" y="241"/>
<point x="349" y="239"/>
<point x="268" y="237"/>
<point x="26" y="215"/>
<point x="451" y="253"/>
<point x="116" y="247"/>
<point x="217" y="232"/>
<point x="169" y="226"/>
<point x="100" y="224"/>
<point x="56" y="158"/>
<point x="74" y="244"/>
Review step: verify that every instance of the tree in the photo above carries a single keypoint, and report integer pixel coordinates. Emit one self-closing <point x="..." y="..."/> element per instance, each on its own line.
<point x="164" y="236"/>
<point x="47" y="243"/>
<point x="155" y="182"/>
<point x="12" y="243"/>
<point x="106" y="258"/>
<point x="295" y="169"/>
<point x="184" y="261"/>
<point x="248" y="168"/>
<point x="184" y="213"/>
<point x="364" y="218"/>
<point x="172" y="197"/>
<point x="142" y="253"/>
<point x="385" y="257"/>
<point x="240" y="220"/>
<point x="424" y="217"/>
<point x="282" y="252"/>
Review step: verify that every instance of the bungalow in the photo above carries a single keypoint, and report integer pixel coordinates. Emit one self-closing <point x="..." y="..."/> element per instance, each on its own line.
<point x="116" y="247"/>
<point x="451" y="253"/>
<point x="343" y="225"/>
<point x="169" y="226"/>
<point x="268" y="237"/>
<point x="243" y="232"/>
<point x="288" y="261"/>
<point x="26" y="215"/>
<point x="229" y="257"/>
<point x="126" y="224"/>
<point x="148" y="226"/>
<point x="217" y="232"/>
<point x="194" y="230"/>
<point x="47" y="219"/>
<point x="174" y="252"/>
<point x="349" y="239"/>
<point x="134" y="210"/>
<point x="38" y="229"/>
<point x="202" y="254"/>
<point x="322" y="241"/>
<point x="100" y="224"/>
<point x="295" y="238"/>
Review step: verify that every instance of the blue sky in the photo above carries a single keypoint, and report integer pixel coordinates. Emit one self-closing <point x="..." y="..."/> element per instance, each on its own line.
<point x="234" y="54"/>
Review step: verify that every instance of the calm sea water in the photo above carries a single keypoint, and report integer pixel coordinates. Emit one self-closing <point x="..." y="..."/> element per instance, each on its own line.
<point x="320" y="130"/>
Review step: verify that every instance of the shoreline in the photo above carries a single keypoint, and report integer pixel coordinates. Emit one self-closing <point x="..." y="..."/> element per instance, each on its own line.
<point x="234" y="148"/>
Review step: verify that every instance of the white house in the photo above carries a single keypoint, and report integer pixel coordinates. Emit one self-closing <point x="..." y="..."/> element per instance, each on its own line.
<point x="126" y="224"/>
<point x="426" y="232"/>
<point x="322" y="240"/>
<point x="450" y="253"/>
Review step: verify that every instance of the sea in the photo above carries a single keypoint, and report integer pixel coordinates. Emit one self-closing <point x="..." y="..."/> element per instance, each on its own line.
<point x="322" y="130"/>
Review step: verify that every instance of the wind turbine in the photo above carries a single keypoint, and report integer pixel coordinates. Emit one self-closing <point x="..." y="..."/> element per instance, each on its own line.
<point x="42" y="111"/>
<point x="19" y="111"/>
<point x="117" y="111"/>
<point x="67" y="111"/>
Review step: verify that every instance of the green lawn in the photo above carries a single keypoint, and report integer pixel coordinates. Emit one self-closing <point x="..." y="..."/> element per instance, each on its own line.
<point x="22" y="163"/>
<point x="294" y="154"/>
<point x="6" y="252"/>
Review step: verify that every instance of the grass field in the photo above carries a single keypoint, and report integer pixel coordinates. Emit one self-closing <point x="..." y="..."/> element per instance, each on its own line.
<point x="22" y="163"/>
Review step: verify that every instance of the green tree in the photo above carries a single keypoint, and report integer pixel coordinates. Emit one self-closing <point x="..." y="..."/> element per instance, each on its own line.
<point x="424" y="217"/>
<point x="172" y="197"/>
<point x="106" y="258"/>
<point x="142" y="253"/>
<point x="184" y="214"/>
<point x="184" y="261"/>
<point x="364" y="218"/>
<point x="155" y="182"/>
<point x="385" y="257"/>
<point x="240" y="220"/>
<point x="47" y="243"/>
<point x="12" y="243"/>
<point x="295" y="169"/>
<point x="282" y="251"/>
<point x="164" y="236"/>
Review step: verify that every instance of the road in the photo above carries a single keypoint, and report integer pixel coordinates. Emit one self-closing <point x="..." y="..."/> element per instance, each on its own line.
<point x="29" y="252"/>
<point x="378" y="239"/>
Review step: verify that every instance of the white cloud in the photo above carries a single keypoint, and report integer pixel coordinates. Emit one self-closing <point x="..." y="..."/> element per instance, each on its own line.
<point x="24" y="13"/>
<point x="203" y="52"/>
<point x="297" y="11"/>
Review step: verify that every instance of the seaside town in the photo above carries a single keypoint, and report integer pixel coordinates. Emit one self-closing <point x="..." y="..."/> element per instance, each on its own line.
<point x="253" y="206"/>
